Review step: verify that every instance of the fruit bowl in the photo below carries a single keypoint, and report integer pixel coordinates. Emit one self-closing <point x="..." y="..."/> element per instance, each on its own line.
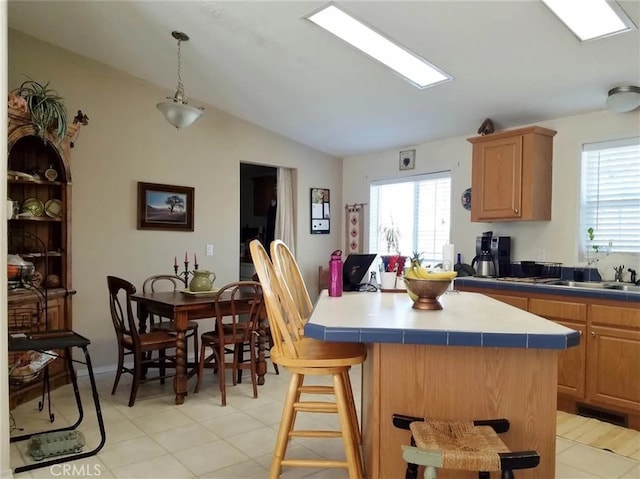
<point x="427" y="291"/>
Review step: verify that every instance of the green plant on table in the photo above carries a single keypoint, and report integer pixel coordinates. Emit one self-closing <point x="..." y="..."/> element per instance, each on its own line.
<point x="46" y="108"/>
<point x="391" y="236"/>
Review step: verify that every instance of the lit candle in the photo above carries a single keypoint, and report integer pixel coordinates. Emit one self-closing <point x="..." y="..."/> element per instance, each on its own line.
<point x="195" y="259"/>
<point x="175" y="261"/>
<point x="186" y="258"/>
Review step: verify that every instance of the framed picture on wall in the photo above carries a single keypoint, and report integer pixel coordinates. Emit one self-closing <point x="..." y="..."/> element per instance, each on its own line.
<point x="165" y="207"/>
<point x="320" y="211"/>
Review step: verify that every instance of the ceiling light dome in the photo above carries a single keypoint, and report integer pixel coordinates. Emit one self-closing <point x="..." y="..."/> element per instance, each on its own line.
<point x="623" y="98"/>
<point x="176" y="110"/>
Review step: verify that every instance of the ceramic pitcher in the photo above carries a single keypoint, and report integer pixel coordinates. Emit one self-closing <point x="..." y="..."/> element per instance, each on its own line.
<point x="202" y="281"/>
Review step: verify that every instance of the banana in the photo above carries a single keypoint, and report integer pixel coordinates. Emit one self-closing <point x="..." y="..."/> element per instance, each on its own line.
<point x="411" y="273"/>
<point x="442" y="275"/>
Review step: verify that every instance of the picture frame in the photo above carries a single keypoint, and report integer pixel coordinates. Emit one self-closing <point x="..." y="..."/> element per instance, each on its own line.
<point x="165" y="207"/>
<point x="320" y="211"/>
<point x="407" y="160"/>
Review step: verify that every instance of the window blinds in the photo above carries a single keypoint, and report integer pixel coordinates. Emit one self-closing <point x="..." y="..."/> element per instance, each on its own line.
<point x="610" y="195"/>
<point x="420" y="208"/>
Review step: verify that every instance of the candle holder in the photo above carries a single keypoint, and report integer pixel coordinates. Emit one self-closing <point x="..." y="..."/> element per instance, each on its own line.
<point x="184" y="275"/>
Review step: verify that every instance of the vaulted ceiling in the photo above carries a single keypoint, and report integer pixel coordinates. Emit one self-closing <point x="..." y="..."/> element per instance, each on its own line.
<point x="512" y="61"/>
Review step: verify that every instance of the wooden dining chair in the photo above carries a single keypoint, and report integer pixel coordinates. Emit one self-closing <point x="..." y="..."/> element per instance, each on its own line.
<point x="133" y="343"/>
<point x="304" y="357"/>
<point x="234" y="328"/>
<point x="169" y="282"/>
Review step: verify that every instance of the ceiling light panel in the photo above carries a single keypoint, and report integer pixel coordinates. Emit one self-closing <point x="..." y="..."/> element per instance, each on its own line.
<point x="591" y="19"/>
<point x="414" y="68"/>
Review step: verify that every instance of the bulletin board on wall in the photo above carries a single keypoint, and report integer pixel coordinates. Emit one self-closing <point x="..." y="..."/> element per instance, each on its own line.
<point x="320" y="211"/>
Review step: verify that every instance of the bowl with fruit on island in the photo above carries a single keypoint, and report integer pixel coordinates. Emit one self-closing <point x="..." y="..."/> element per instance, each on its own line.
<point x="425" y="286"/>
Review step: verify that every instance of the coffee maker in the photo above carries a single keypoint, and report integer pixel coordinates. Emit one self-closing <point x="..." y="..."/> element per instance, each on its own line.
<point x="493" y="255"/>
<point x="501" y="252"/>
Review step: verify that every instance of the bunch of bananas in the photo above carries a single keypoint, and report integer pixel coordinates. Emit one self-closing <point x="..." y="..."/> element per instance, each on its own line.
<point x="420" y="272"/>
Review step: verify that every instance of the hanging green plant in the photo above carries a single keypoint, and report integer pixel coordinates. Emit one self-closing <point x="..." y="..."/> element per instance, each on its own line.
<point x="46" y="108"/>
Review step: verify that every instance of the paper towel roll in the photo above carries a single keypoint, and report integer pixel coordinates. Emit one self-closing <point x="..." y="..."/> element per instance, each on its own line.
<point x="448" y="253"/>
<point x="448" y="256"/>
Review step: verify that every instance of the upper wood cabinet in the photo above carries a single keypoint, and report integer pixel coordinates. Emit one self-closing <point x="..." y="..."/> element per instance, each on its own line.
<point x="511" y="175"/>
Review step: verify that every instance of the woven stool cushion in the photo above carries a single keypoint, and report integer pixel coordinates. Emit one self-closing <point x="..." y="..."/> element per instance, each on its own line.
<point x="462" y="445"/>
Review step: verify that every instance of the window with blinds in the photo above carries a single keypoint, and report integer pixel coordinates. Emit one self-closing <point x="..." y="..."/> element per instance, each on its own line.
<point x="610" y="196"/>
<point x="419" y="208"/>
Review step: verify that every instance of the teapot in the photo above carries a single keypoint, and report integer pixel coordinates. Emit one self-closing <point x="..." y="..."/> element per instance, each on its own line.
<point x="202" y="280"/>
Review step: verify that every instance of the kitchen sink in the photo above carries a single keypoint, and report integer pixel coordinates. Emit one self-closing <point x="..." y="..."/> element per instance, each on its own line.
<point x="623" y="287"/>
<point x="597" y="285"/>
<point x="580" y="284"/>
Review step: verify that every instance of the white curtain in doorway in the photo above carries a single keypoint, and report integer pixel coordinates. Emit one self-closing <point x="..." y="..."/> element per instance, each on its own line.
<point x="285" y="211"/>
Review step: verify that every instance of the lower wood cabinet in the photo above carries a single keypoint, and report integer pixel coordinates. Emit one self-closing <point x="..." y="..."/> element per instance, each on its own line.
<point x="613" y="352"/>
<point x="571" y="362"/>
<point x="603" y="371"/>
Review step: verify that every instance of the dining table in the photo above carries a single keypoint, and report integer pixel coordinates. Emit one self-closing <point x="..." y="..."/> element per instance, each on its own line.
<point x="181" y="307"/>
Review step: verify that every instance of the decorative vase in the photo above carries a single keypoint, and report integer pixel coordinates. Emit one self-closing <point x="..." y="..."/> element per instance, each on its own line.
<point x="202" y="281"/>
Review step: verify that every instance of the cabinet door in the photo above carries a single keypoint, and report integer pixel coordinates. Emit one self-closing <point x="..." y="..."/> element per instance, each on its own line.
<point x="497" y="179"/>
<point x="571" y="362"/>
<point x="613" y="343"/>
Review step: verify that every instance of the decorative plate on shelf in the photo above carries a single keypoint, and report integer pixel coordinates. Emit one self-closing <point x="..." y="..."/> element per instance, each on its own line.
<point x="33" y="206"/>
<point x="53" y="208"/>
<point x="212" y="292"/>
<point x="465" y="199"/>
<point x="50" y="174"/>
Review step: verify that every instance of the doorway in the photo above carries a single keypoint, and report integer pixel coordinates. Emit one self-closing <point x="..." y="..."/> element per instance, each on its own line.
<point x="258" y="194"/>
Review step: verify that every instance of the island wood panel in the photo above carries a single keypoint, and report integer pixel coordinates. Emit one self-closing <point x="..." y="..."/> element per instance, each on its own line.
<point x="458" y="383"/>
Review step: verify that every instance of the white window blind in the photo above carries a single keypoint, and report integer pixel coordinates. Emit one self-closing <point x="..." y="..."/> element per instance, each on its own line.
<point x="610" y="196"/>
<point x="420" y="208"/>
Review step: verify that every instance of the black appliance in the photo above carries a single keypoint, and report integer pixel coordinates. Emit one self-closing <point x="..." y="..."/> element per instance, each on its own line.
<point x="501" y="252"/>
<point x="493" y="255"/>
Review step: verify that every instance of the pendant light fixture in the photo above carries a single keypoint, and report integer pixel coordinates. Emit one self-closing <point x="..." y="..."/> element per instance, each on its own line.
<point x="176" y="110"/>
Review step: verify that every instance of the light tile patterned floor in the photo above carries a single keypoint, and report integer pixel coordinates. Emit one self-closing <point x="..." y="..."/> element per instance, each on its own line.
<point x="201" y="439"/>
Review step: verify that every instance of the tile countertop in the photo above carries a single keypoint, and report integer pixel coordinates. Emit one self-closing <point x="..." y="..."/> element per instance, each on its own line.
<point x="500" y="285"/>
<point x="467" y="319"/>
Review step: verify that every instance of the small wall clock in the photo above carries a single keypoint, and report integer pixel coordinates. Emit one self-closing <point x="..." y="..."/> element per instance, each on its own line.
<point x="408" y="159"/>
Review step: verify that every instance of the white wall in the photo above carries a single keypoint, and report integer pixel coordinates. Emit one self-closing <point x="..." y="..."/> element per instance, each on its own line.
<point x="558" y="237"/>
<point x="127" y="140"/>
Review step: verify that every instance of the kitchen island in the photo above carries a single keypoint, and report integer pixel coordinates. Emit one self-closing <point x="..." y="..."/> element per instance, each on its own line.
<point x="477" y="358"/>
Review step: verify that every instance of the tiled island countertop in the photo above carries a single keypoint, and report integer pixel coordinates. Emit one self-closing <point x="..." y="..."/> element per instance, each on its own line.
<point x="477" y="358"/>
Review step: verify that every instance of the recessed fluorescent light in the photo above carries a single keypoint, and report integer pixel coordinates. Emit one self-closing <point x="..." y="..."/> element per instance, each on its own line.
<point x="590" y="19"/>
<point x="414" y="68"/>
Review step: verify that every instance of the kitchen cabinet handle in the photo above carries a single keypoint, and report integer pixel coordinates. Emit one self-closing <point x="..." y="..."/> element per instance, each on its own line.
<point x="593" y="333"/>
<point x="515" y="210"/>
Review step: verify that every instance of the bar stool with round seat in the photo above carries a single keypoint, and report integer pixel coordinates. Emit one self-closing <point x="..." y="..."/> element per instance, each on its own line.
<point x="304" y="357"/>
<point x="288" y="272"/>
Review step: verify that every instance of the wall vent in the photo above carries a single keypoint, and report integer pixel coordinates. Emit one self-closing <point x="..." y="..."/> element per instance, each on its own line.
<point x="602" y="414"/>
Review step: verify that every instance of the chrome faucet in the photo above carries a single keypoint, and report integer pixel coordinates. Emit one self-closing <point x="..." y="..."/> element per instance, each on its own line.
<point x="619" y="271"/>
<point x="633" y="277"/>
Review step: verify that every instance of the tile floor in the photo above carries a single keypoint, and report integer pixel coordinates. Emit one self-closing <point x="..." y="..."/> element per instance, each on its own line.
<point x="201" y="439"/>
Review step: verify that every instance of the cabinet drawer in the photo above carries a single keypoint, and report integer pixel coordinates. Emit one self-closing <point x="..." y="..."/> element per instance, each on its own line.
<point x="615" y="316"/>
<point x="517" y="301"/>
<point x="558" y="309"/>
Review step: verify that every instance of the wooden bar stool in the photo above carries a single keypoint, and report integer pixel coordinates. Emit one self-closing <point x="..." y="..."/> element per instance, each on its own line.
<point x="461" y="445"/>
<point x="304" y="357"/>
